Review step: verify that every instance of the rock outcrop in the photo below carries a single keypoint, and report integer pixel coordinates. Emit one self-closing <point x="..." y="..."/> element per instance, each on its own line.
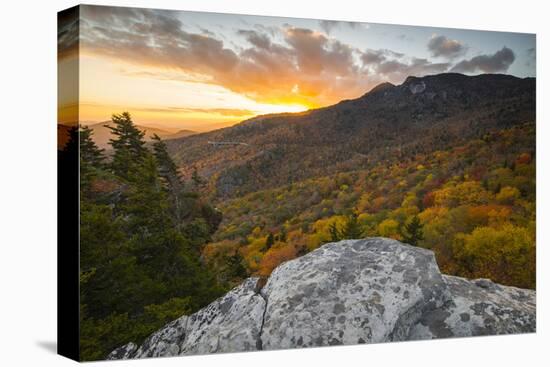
<point x="349" y="292"/>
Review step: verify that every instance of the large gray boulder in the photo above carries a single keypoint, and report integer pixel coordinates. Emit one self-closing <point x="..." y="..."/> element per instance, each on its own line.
<point x="348" y="292"/>
<point x="351" y="292"/>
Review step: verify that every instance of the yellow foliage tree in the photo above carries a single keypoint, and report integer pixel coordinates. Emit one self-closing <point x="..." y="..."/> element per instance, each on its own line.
<point x="508" y="195"/>
<point x="389" y="228"/>
<point x="274" y="257"/>
<point x="469" y="192"/>
<point x="505" y="255"/>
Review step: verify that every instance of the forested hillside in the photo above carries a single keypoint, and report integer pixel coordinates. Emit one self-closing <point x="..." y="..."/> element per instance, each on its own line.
<point x="445" y="162"/>
<point x="388" y="124"/>
<point x="142" y="230"/>
<point x="473" y="204"/>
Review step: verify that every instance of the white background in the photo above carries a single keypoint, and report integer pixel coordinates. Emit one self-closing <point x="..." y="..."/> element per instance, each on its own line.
<point x="28" y="181"/>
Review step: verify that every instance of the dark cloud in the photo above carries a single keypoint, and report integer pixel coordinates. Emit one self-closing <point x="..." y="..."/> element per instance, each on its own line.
<point x="395" y="67"/>
<point x="151" y="37"/>
<point x="371" y="57"/>
<point x="500" y="61"/>
<point x="420" y="66"/>
<point x="316" y="54"/>
<point x="269" y="30"/>
<point x="329" y="25"/>
<point x="445" y="47"/>
<point x="256" y="38"/>
<point x="67" y="33"/>
<point x="379" y="56"/>
<point x="397" y="70"/>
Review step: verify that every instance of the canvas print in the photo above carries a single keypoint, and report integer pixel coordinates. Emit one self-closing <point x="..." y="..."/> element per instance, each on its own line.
<point x="247" y="183"/>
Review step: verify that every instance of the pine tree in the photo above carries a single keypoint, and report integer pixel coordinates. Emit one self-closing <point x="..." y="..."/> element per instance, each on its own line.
<point x="171" y="178"/>
<point x="128" y="145"/>
<point x="167" y="168"/>
<point x="198" y="181"/>
<point x="270" y="240"/>
<point x="352" y="228"/>
<point x="146" y="204"/>
<point x="335" y="234"/>
<point x="235" y="267"/>
<point x="91" y="158"/>
<point x="282" y="235"/>
<point x="90" y="153"/>
<point x="413" y="233"/>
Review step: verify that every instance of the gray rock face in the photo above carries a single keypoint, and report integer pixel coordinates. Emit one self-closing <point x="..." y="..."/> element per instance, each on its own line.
<point x="125" y="352"/>
<point x="479" y="307"/>
<point x="348" y="292"/>
<point x="417" y="88"/>
<point x="351" y="292"/>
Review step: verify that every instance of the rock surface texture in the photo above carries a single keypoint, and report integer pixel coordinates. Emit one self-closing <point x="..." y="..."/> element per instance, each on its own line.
<point x="349" y="292"/>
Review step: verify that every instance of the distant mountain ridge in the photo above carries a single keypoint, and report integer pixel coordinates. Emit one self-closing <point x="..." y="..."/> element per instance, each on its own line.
<point x="102" y="133"/>
<point x="390" y="122"/>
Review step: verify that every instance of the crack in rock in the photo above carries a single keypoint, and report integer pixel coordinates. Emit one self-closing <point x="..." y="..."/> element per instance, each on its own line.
<point x="259" y="343"/>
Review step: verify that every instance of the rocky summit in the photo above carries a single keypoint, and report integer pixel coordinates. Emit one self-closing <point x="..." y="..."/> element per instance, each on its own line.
<point x="349" y="292"/>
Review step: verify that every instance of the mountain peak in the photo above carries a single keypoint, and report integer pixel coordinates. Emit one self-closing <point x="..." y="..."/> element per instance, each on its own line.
<point x="457" y="78"/>
<point x="440" y="77"/>
<point x="381" y="87"/>
<point x="453" y="83"/>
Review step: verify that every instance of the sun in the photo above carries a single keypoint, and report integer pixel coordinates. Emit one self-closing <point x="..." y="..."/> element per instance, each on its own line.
<point x="280" y="108"/>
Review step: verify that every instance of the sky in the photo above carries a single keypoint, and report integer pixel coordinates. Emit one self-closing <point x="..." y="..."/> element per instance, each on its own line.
<point x="202" y="71"/>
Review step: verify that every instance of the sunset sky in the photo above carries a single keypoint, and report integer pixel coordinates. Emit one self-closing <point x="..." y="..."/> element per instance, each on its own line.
<point x="201" y="71"/>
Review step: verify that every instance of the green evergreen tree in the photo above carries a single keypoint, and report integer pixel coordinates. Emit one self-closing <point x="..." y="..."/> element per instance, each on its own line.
<point x="352" y="228"/>
<point x="91" y="157"/>
<point x="167" y="168"/>
<point x="171" y="178"/>
<point x="235" y="267"/>
<point x="128" y="145"/>
<point x="282" y="235"/>
<point x="198" y="181"/>
<point x="485" y="183"/>
<point x="146" y="205"/>
<point x="270" y="240"/>
<point x="335" y="234"/>
<point x="413" y="232"/>
<point x="90" y="153"/>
